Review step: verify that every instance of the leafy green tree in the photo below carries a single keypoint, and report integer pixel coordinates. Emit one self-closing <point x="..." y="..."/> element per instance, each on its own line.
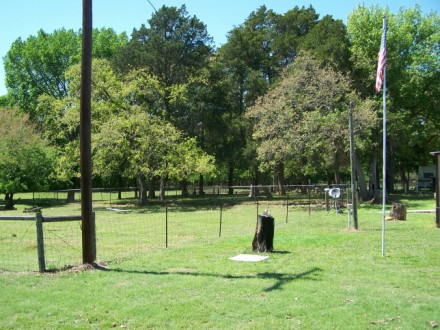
<point x="413" y="73"/>
<point x="129" y="138"/>
<point x="247" y="59"/>
<point x="205" y="99"/>
<point x="37" y="66"/>
<point x="255" y="54"/>
<point x="106" y="43"/>
<point x="26" y="162"/>
<point x="173" y="48"/>
<point x="148" y="147"/>
<point x="302" y="122"/>
<point x="328" y="41"/>
<point x="247" y="56"/>
<point x="292" y="28"/>
<point x="5" y="101"/>
<point x="111" y="95"/>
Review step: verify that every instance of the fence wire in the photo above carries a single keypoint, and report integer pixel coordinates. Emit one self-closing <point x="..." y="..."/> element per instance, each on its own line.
<point x="125" y="231"/>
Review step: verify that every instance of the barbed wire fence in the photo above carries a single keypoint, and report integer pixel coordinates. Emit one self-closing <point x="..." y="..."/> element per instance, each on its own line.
<point x="124" y="230"/>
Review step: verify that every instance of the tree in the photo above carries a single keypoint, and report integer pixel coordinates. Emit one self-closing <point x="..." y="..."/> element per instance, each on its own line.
<point x="60" y="124"/>
<point x="254" y="56"/>
<point x="26" y="162"/>
<point x="106" y="43"/>
<point x="249" y="66"/>
<point x="37" y="66"/>
<point x="130" y="139"/>
<point x="5" y="101"/>
<point x="148" y="147"/>
<point x="413" y="73"/>
<point x="302" y="121"/>
<point x="292" y="29"/>
<point x="174" y="48"/>
<point x="328" y="41"/>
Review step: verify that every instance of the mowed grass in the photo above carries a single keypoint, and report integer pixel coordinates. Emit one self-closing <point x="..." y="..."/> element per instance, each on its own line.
<point x="322" y="275"/>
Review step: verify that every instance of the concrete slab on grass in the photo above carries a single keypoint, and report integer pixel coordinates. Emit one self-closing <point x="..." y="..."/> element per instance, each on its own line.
<point x="249" y="258"/>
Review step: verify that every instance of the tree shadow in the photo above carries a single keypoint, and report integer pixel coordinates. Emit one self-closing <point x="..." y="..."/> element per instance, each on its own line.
<point x="280" y="278"/>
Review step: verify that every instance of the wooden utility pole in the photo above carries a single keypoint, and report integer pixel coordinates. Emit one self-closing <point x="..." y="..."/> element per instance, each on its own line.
<point x="88" y="221"/>
<point x="353" y="167"/>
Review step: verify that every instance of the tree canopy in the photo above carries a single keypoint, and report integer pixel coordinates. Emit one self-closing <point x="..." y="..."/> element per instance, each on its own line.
<point x="271" y="101"/>
<point x="303" y="119"/>
<point x="413" y="68"/>
<point x="26" y="162"/>
<point x="37" y="66"/>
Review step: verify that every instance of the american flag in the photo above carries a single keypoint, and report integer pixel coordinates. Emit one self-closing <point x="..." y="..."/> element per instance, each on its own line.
<point x="382" y="59"/>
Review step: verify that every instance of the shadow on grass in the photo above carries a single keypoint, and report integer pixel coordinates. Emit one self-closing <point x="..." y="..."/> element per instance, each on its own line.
<point x="280" y="252"/>
<point x="280" y="278"/>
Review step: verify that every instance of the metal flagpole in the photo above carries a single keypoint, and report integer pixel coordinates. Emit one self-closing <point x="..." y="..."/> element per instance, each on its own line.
<point x="384" y="155"/>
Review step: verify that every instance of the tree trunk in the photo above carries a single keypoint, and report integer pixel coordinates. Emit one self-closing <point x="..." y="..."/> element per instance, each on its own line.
<point x="336" y="168"/>
<point x="230" y="179"/>
<point x="280" y="178"/>
<point x="70" y="196"/>
<point x="142" y="183"/>
<point x="362" y="183"/>
<point x="257" y="177"/>
<point x="404" y="179"/>
<point x="374" y="182"/>
<point x="391" y="167"/>
<point x="185" y="188"/>
<point x="9" y="201"/>
<point x="120" y="185"/>
<point x="254" y="190"/>
<point x="151" y="191"/>
<point x="201" y="183"/>
<point x="162" y="188"/>
<point x="304" y="180"/>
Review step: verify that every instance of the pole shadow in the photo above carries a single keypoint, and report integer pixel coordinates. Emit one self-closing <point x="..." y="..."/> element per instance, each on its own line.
<point x="280" y="278"/>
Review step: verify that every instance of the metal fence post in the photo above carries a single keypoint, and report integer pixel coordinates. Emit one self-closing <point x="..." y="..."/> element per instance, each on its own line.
<point x="40" y="242"/>
<point x="220" y="228"/>
<point x="308" y="193"/>
<point x="257" y="211"/>
<point x="166" y="225"/>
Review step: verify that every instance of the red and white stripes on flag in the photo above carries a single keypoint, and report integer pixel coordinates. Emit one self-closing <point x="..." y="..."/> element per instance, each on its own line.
<point x="382" y="59"/>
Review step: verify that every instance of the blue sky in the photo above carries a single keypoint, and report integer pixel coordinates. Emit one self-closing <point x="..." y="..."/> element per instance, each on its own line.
<point x="23" y="18"/>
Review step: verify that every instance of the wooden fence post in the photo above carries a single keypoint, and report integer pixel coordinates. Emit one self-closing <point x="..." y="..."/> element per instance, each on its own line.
<point x="40" y="242"/>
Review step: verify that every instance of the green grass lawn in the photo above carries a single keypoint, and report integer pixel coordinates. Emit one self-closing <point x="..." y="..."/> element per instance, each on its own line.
<point x="321" y="276"/>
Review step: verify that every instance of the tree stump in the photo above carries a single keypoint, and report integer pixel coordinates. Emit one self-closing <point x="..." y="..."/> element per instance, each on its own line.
<point x="398" y="211"/>
<point x="263" y="238"/>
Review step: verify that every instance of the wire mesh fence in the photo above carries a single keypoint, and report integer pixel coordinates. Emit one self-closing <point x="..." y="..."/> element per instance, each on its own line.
<point x="18" y="246"/>
<point x="125" y="230"/>
<point x="62" y="244"/>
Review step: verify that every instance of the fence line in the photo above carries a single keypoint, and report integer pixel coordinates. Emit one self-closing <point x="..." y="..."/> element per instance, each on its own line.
<point x="39" y="220"/>
<point x="128" y="231"/>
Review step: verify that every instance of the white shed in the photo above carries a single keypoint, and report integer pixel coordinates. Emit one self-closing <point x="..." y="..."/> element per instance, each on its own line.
<point x="426" y="176"/>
